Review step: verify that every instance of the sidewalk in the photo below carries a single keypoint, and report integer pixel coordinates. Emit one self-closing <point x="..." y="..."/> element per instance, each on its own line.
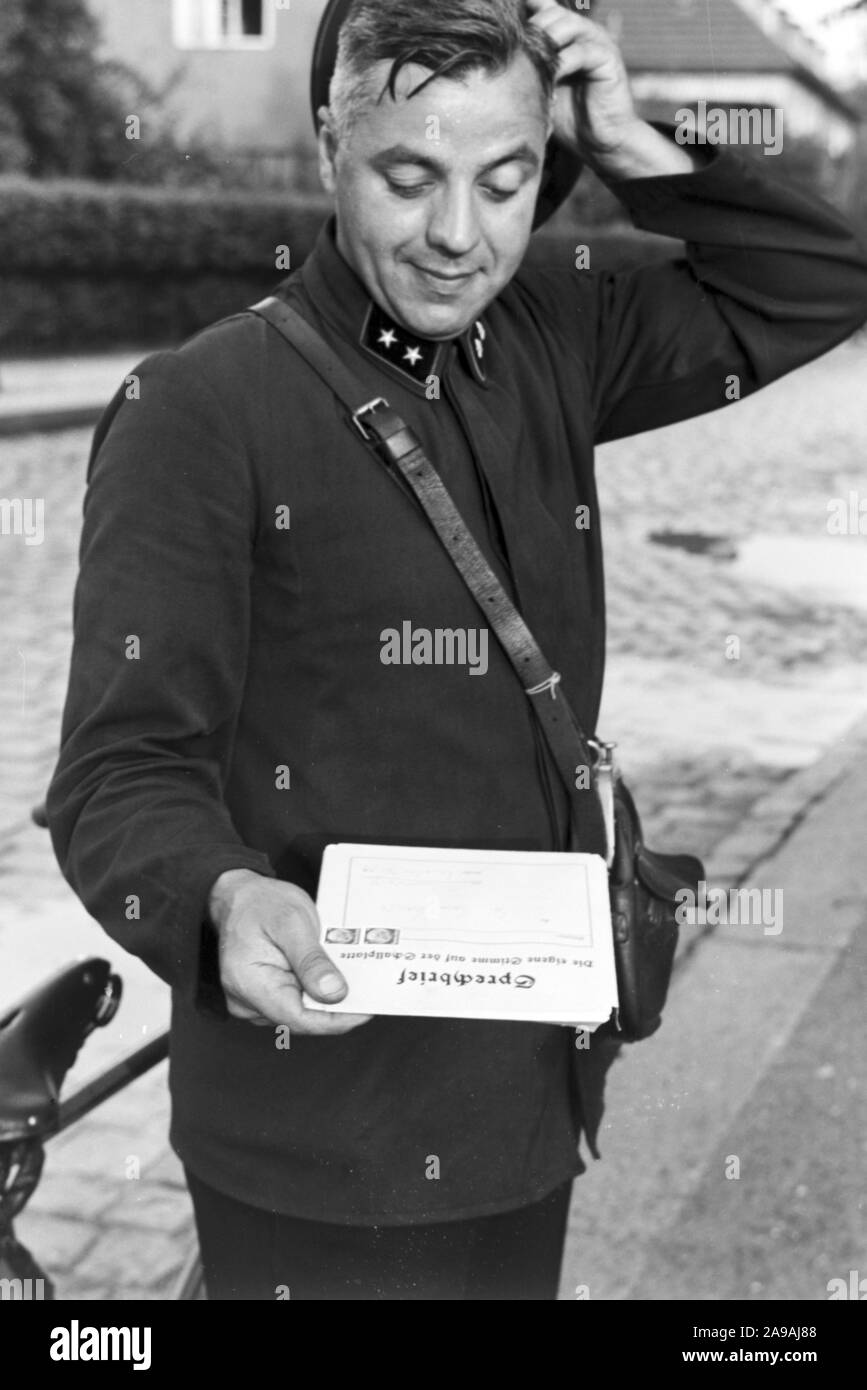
<point x="733" y="1147"/>
<point x="53" y="393"/>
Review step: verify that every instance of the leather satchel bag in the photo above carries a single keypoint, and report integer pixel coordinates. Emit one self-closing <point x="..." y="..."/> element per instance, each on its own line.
<point x="643" y="888"/>
<point x="643" y="885"/>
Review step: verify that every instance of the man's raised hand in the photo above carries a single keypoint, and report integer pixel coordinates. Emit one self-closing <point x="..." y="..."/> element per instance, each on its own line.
<point x="593" y="108"/>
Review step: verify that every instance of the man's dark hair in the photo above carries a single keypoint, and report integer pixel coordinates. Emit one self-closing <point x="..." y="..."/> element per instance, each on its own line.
<point x="451" y="37"/>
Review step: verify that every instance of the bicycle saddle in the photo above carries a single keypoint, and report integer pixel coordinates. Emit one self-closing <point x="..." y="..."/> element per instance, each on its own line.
<point x="40" y="1038"/>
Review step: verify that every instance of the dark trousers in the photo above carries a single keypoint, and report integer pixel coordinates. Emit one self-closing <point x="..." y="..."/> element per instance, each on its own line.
<point x="248" y="1253"/>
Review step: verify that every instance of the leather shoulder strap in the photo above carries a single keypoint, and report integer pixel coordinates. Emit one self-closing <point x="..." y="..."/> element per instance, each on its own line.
<point x="304" y="338"/>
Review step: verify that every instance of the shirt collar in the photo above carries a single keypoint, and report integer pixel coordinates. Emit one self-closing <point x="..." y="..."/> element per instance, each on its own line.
<point x="343" y="301"/>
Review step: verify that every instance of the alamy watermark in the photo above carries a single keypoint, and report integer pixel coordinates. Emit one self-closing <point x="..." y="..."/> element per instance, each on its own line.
<point x="23" y="516"/>
<point x="737" y="125"/>
<point x="847" y="516"/>
<point x="748" y="907"/>
<point x="77" y="1343"/>
<point x="854" y="1288"/>
<point x="439" y="646"/>
<point x="22" y="1290"/>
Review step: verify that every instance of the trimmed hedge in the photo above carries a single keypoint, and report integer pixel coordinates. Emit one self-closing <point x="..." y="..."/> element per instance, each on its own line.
<point x="59" y="227"/>
<point x="87" y="265"/>
<point x="93" y="265"/>
<point x="71" y="312"/>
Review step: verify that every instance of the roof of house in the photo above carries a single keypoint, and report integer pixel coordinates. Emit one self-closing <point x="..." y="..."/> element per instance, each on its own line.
<point x="712" y="36"/>
<point x="706" y="35"/>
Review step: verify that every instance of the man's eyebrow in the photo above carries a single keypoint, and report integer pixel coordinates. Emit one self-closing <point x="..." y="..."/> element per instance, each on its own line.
<point x="406" y="154"/>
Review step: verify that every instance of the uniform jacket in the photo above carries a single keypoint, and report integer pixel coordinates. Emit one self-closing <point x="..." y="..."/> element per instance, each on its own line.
<point x="259" y="649"/>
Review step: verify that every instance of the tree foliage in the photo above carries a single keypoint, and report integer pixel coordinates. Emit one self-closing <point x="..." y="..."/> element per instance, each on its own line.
<point x="65" y="111"/>
<point x="62" y="108"/>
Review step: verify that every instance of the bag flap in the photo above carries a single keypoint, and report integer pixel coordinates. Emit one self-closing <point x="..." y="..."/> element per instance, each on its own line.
<point x="665" y="875"/>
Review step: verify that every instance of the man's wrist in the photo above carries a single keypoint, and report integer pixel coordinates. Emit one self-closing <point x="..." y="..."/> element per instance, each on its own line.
<point x="644" y="153"/>
<point x="225" y="890"/>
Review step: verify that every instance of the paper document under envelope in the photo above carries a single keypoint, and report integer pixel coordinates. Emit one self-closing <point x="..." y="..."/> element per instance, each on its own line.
<point x="461" y="933"/>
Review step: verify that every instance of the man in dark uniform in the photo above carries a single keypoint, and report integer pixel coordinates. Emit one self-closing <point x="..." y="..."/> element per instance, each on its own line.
<point x="243" y="551"/>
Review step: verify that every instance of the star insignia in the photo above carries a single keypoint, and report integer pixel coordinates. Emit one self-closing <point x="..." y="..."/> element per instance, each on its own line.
<point x="415" y="359"/>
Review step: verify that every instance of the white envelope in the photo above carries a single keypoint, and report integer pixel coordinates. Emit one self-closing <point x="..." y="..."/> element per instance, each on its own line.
<point x="462" y="933"/>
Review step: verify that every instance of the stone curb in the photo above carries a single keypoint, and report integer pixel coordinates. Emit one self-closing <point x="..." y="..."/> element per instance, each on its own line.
<point x="771" y="821"/>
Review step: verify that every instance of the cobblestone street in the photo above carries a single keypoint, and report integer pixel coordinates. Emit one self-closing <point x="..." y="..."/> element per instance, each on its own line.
<point x="712" y="732"/>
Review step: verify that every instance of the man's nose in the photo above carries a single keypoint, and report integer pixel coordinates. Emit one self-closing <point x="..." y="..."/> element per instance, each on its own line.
<point x="453" y="227"/>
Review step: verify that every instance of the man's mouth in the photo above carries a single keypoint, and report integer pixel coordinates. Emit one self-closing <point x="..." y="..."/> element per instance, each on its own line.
<point x="446" y="277"/>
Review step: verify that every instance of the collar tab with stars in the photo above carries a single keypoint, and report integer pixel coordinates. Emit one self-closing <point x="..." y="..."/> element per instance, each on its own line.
<point x="417" y="359"/>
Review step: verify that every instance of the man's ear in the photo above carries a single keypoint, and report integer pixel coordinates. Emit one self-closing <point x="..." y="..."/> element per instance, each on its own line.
<point x="327" y="140"/>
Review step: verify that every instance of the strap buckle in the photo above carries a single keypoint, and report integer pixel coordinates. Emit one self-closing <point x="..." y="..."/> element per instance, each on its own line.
<point x="550" y="683"/>
<point x="367" y="409"/>
<point x="602" y="752"/>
